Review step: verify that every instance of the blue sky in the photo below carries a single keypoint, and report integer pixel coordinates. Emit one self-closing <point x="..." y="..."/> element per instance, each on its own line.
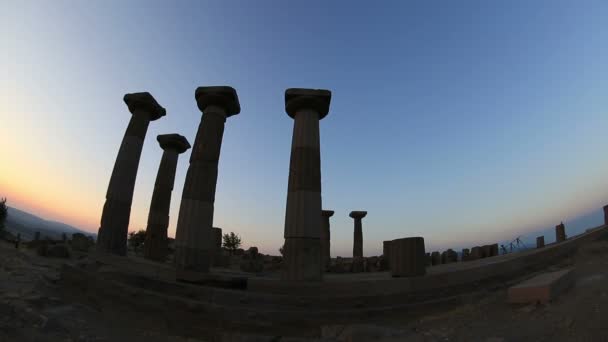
<point x="464" y="122"/>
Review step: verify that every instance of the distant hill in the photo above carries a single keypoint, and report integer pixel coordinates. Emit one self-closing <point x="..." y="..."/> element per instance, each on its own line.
<point x="26" y="224"/>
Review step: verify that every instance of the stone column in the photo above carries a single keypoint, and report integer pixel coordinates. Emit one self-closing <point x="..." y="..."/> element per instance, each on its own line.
<point x="465" y="254"/>
<point x="302" y="249"/>
<point x="435" y="258"/>
<point x="540" y="242"/>
<point x="476" y="253"/>
<point x="325" y="239"/>
<point x="112" y="235"/>
<point x="494" y="250"/>
<point x="560" y="232"/>
<point x="358" y="240"/>
<point x="408" y="258"/>
<point x="193" y="240"/>
<point x="386" y="251"/>
<point x="156" y="243"/>
<point x="216" y="237"/>
<point x="606" y="214"/>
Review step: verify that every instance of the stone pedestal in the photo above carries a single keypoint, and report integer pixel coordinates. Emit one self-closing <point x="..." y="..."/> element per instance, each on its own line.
<point x="560" y="232"/>
<point x="193" y="241"/>
<point x="302" y="249"/>
<point x="112" y="235"/>
<point x="156" y="243"/>
<point x="325" y="239"/>
<point x="540" y="242"/>
<point x="435" y="258"/>
<point x="358" y="233"/>
<point x="408" y="257"/>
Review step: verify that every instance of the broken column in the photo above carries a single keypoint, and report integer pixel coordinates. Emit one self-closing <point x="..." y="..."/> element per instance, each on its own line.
<point x="112" y="235"/>
<point x="476" y="253"/>
<point x="358" y="240"/>
<point x="193" y="241"/>
<point x="408" y="258"/>
<point x="494" y="249"/>
<point x="606" y="214"/>
<point x="216" y="246"/>
<point x="302" y="249"/>
<point x="540" y="242"/>
<point x="560" y="232"/>
<point x="325" y="238"/>
<point x="435" y="258"/>
<point x="156" y="243"/>
<point x="386" y="248"/>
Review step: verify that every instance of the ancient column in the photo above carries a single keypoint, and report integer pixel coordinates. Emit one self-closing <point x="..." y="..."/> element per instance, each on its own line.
<point x="408" y="258"/>
<point x="540" y="242"/>
<point x="435" y="258"/>
<point x="325" y="238"/>
<point x="193" y="242"/>
<point x="216" y="238"/>
<point x="302" y="249"/>
<point x="465" y="254"/>
<point x="156" y="243"/>
<point x="606" y="214"/>
<point x="494" y="249"/>
<point x="476" y="253"/>
<point x="112" y="235"/>
<point x="358" y="240"/>
<point x="560" y="232"/>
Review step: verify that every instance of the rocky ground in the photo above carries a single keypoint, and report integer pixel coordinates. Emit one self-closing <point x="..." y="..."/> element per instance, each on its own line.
<point x="34" y="307"/>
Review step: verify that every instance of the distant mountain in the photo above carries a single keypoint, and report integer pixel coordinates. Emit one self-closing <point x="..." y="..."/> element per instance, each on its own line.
<point x="26" y="224"/>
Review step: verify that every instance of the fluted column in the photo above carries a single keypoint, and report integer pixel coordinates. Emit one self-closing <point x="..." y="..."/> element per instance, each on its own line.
<point x="112" y="235"/>
<point x="155" y="246"/>
<point x="193" y="240"/>
<point x="302" y="249"/>
<point x="325" y="238"/>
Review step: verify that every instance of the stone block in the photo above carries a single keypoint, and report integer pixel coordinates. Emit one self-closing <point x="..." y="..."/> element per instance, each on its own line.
<point x="542" y="288"/>
<point x="408" y="257"/>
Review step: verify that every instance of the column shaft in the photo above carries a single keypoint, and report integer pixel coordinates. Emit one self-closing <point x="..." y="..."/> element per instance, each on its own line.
<point x="303" y="212"/>
<point x="358" y="239"/>
<point x="193" y="236"/>
<point x="155" y="246"/>
<point x="112" y="235"/>
<point x="325" y="243"/>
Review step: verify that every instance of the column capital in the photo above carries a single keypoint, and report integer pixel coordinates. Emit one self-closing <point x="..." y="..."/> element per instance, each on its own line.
<point x="222" y="96"/>
<point x="173" y="141"/>
<point x="144" y="102"/>
<point x="357" y="214"/>
<point x="327" y="213"/>
<point x="301" y="98"/>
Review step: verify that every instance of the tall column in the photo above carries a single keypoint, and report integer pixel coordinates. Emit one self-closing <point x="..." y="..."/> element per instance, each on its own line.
<point x="155" y="246"/>
<point x="302" y="249"/>
<point x="358" y="241"/>
<point x="325" y="238"/>
<point x="193" y="240"/>
<point x="560" y="232"/>
<point x="112" y="235"/>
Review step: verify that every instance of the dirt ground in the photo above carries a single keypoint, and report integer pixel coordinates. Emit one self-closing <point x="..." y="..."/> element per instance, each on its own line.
<point x="32" y="308"/>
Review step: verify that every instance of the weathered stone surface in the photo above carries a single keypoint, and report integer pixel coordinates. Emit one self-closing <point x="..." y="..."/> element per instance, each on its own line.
<point x="302" y="255"/>
<point x="357" y="264"/>
<point x="112" y="235"/>
<point x="560" y="232"/>
<point x="540" y="242"/>
<point x="476" y="253"/>
<point x="542" y="288"/>
<point x="216" y="250"/>
<point x="408" y="257"/>
<point x="386" y="251"/>
<point x="486" y="251"/>
<point x="193" y="238"/>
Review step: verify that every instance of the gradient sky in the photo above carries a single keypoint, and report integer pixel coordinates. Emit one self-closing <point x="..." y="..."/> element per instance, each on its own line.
<point x="464" y="122"/>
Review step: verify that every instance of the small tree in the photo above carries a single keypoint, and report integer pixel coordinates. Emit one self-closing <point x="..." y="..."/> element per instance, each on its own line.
<point x="136" y="239"/>
<point x="3" y="214"/>
<point x="232" y="242"/>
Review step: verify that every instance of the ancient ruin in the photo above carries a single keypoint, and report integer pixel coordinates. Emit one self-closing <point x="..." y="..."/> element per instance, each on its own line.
<point x="408" y="257"/>
<point x="302" y="249"/>
<point x="540" y="242"/>
<point x="193" y="240"/>
<point x="155" y="246"/>
<point x="560" y="232"/>
<point x="325" y="238"/>
<point x="112" y="235"/>
<point x="358" y="240"/>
